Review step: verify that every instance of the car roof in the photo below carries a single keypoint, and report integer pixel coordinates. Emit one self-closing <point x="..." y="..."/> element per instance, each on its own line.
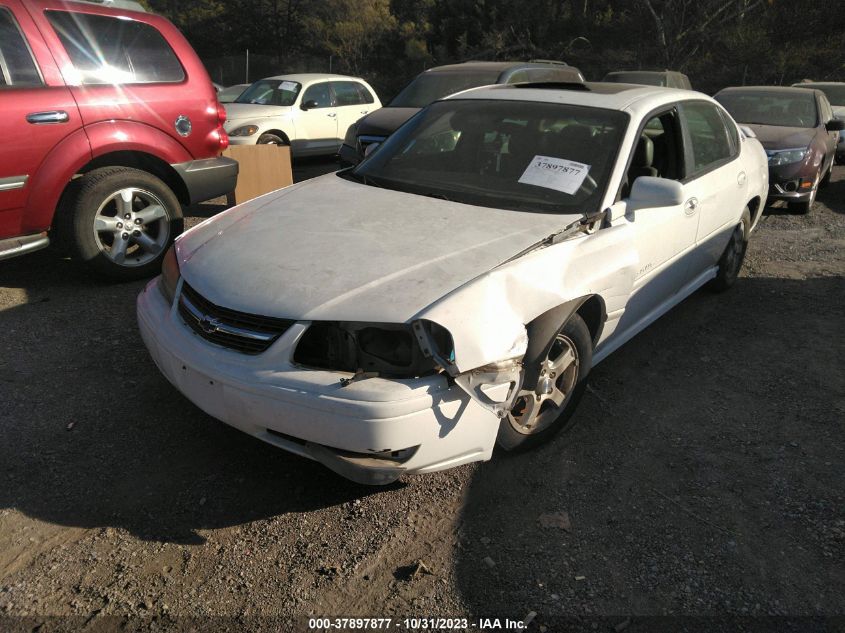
<point x="635" y="98"/>
<point x="661" y="73"/>
<point x="493" y="66"/>
<point x="306" y="78"/>
<point x="763" y="89"/>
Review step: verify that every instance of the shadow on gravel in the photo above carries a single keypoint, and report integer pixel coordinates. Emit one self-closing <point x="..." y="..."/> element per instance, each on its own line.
<point x="92" y="435"/>
<point x="704" y="475"/>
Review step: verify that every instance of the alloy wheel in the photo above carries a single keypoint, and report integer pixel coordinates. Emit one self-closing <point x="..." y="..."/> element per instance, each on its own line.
<point x="131" y="227"/>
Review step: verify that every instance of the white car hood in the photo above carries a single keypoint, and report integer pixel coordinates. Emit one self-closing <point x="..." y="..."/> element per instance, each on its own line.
<point x="331" y="249"/>
<point x="253" y="111"/>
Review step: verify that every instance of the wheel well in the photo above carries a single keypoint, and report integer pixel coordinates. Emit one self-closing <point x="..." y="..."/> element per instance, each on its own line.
<point x="593" y="313"/>
<point x="754" y="208"/>
<point x="144" y="162"/>
<point x="279" y="133"/>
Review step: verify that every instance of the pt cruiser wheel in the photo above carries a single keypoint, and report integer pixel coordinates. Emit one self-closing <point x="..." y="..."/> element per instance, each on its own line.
<point x="543" y="408"/>
<point x="121" y="221"/>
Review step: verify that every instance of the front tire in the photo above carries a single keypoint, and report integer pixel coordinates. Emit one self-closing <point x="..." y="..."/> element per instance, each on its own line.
<point x="270" y="139"/>
<point x="120" y="221"/>
<point x="544" y="409"/>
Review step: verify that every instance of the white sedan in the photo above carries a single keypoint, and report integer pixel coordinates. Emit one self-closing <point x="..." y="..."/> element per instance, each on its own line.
<point x="310" y="112"/>
<point x="455" y="289"/>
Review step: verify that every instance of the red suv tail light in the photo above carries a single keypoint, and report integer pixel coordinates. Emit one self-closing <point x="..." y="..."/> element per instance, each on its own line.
<point x="218" y="138"/>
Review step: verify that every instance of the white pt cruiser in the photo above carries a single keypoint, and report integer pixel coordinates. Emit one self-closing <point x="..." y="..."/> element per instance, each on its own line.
<point x="454" y="290"/>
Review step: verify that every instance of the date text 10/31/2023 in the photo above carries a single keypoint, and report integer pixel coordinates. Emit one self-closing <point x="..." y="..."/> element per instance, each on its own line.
<point x="416" y="624"/>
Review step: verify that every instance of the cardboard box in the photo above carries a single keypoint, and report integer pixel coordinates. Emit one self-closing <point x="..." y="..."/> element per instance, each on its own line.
<point x="263" y="168"/>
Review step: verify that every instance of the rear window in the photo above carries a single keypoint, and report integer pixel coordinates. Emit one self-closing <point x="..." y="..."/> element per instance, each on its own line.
<point x="17" y="69"/>
<point x="351" y="93"/>
<point x="115" y="50"/>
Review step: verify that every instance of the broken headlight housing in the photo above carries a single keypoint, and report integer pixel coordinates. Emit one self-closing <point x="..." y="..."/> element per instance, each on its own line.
<point x="169" y="275"/>
<point x="390" y="350"/>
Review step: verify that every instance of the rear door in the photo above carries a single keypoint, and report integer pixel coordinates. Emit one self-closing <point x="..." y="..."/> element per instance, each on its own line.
<point x="38" y="111"/>
<point x="124" y="68"/>
<point x="716" y="183"/>
<point x="353" y="101"/>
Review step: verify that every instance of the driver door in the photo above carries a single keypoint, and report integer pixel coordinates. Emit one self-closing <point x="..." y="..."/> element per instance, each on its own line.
<point x="663" y="237"/>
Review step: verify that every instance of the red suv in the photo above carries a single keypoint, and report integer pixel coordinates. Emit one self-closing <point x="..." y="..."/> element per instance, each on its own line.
<point x="109" y="125"/>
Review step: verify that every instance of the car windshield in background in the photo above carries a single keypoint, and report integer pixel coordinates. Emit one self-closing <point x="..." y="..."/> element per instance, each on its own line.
<point x="505" y="154"/>
<point x="429" y="87"/>
<point x="834" y="94"/>
<point x="271" y="92"/>
<point x="771" y="108"/>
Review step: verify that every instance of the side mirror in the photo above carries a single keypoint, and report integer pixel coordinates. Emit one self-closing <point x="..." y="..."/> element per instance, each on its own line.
<point x="372" y="147"/>
<point x="835" y="125"/>
<point x="649" y="192"/>
<point x="747" y="131"/>
<point x="310" y="104"/>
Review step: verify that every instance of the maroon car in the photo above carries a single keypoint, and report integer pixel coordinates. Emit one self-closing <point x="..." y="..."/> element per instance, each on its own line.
<point x="799" y="132"/>
<point x="110" y="124"/>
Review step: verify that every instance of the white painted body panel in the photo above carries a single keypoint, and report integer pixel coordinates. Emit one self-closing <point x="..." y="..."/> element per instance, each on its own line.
<point x="330" y="249"/>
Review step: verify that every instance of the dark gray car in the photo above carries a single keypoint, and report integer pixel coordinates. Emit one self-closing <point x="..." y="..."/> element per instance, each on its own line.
<point x="799" y="133"/>
<point x="439" y="82"/>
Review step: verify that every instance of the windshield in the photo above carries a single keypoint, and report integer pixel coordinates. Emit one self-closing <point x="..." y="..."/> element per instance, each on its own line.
<point x="791" y="109"/>
<point x="520" y="155"/>
<point x="271" y="92"/>
<point x="431" y="86"/>
<point x="834" y="94"/>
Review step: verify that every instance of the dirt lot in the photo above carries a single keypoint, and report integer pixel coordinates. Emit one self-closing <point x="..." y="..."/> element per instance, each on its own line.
<point x="704" y="478"/>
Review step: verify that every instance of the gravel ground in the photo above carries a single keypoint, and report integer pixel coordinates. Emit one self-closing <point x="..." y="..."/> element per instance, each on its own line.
<point x="703" y="485"/>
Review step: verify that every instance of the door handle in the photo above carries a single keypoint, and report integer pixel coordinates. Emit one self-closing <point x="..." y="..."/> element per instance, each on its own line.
<point x="332" y="114"/>
<point x="53" y="116"/>
<point x="690" y="206"/>
<point x="365" y="111"/>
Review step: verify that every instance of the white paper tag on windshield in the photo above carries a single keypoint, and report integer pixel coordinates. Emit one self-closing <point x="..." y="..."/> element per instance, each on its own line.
<point x="559" y="174"/>
<point x="290" y="86"/>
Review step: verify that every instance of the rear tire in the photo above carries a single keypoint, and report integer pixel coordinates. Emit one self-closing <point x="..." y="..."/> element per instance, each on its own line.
<point x="536" y="415"/>
<point x="120" y="222"/>
<point x="730" y="263"/>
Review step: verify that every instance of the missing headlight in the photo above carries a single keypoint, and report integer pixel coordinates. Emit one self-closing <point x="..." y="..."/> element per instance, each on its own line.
<point x="390" y="350"/>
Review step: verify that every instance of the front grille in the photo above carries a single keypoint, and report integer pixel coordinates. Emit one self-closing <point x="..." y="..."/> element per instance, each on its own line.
<point x="239" y="331"/>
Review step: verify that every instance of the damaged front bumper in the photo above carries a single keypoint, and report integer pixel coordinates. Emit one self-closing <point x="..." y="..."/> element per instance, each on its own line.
<point x="371" y="431"/>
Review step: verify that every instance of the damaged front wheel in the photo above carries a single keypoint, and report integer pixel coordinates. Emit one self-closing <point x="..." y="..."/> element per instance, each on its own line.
<point x="544" y="408"/>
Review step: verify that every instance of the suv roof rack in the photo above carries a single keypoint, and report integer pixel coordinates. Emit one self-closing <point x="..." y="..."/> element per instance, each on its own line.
<point x="128" y="5"/>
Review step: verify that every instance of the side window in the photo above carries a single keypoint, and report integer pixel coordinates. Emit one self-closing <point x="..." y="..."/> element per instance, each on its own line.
<point x="321" y="93"/>
<point x="708" y="136"/>
<point x="111" y="50"/>
<point x="733" y="133"/>
<point x="826" y="110"/>
<point x="364" y="94"/>
<point x="17" y="68"/>
<point x="658" y="152"/>
<point x="346" y="93"/>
